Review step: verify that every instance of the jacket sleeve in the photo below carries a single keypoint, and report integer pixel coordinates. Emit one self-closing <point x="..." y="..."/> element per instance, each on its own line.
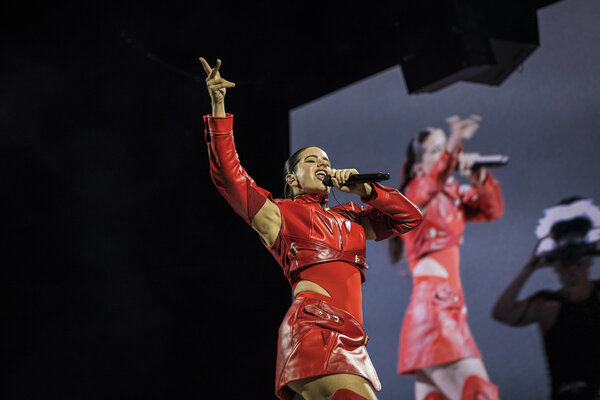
<point x="483" y="203"/>
<point x="390" y="213"/>
<point x="422" y="189"/>
<point x="230" y="178"/>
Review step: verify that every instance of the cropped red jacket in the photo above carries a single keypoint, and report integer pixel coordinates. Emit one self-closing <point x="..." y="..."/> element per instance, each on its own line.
<point x="447" y="206"/>
<point x="311" y="233"/>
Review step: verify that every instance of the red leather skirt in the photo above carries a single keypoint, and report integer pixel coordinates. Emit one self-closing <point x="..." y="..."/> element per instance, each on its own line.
<point x="316" y="338"/>
<point x="435" y="329"/>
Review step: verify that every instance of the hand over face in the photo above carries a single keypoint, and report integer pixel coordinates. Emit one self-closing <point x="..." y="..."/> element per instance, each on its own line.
<point x="535" y="261"/>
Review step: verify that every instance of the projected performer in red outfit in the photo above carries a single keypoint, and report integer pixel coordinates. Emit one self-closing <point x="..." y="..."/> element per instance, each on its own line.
<point x="321" y="347"/>
<point x="436" y="344"/>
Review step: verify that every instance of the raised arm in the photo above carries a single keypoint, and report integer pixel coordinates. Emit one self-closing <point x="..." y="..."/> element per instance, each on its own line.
<point x="511" y="311"/>
<point x="422" y="189"/>
<point x="483" y="200"/>
<point x="461" y="130"/>
<point x="217" y="87"/>
<point x="429" y="181"/>
<point x="251" y="202"/>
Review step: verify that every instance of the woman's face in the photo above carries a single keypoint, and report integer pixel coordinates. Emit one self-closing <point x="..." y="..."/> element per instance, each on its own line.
<point x="574" y="275"/>
<point x="314" y="165"/>
<point x="433" y="147"/>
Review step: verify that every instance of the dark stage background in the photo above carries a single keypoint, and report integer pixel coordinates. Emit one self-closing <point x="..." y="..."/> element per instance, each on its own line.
<point x="127" y="275"/>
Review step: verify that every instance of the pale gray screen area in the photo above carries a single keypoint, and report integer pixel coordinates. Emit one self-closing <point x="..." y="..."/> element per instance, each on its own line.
<point x="545" y="117"/>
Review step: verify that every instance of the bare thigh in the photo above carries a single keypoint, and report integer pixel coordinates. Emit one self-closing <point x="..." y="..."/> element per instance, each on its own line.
<point x="323" y="387"/>
<point x="424" y="386"/>
<point x="449" y="378"/>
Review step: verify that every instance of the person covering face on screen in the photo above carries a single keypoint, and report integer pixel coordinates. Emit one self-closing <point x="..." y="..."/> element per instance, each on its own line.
<point x="436" y="343"/>
<point x="568" y="318"/>
<point x="321" y="347"/>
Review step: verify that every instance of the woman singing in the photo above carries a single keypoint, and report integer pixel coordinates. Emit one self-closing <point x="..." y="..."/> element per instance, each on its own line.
<point x="436" y="344"/>
<point x="321" y="347"/>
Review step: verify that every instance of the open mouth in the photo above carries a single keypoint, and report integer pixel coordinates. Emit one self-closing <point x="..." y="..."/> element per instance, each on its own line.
<point x="321" y="174"/>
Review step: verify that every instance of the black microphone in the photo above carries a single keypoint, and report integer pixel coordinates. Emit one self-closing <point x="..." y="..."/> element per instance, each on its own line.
<point x="360" y="178"/>
<point x="489" y="161"/>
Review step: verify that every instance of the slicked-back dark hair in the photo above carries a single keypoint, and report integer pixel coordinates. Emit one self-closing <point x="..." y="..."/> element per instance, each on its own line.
<point x="414" y="153"/>
<point x="290" y="168"/>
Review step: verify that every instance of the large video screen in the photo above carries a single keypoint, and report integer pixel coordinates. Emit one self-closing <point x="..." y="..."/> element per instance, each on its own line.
<point x="545" y="117"/>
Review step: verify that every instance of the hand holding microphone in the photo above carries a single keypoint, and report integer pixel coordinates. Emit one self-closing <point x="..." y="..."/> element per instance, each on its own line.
<point x="466" y="162"/>
<point x="350" y="181"/>
<point x="471" y="165"/>
<point x="360" y="178"/>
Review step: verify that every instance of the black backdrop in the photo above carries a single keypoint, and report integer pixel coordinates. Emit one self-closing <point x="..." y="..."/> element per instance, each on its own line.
<point x="128" y="276"/>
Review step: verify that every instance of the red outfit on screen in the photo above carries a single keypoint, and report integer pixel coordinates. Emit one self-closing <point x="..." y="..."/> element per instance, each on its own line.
<point x="435" y="329"/>
<point x="319" y="335"/>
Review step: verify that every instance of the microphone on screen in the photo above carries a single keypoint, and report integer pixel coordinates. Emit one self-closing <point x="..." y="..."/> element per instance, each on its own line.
<point x="360" y="178"/>
<point x="490" y="161"/>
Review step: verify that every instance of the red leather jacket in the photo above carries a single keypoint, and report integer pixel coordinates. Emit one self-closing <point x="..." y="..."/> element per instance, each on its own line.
<point x="310" y="232"/>
<point x="447" y="207"/>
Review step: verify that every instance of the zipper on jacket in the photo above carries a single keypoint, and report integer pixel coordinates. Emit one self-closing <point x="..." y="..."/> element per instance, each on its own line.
<point x="338" y="225"/>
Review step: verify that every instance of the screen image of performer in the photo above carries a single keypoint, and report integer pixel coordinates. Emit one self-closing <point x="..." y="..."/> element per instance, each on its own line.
<point x="321" y="351"/>
<point x="568" y="318"/>
<point x="436" y="343"/>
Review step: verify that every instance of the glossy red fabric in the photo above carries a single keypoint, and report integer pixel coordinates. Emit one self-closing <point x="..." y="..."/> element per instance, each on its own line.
<point x="311" y="235"/>
<point x="335" y="233"/>
<point x="447" y="207"/>
<point x="230" y="178"/>
<point x="317" y="339"/>
<point x="341" y="282"/>
<point x="449" y="258"/>
<point x="331" y="234"/>
<point x="477" y="388"/>
<point x="435" y="330"/>
<point x="434" y="396"/>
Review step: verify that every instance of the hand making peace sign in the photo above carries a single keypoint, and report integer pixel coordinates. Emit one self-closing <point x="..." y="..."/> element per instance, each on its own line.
<point x="216" y="85"/>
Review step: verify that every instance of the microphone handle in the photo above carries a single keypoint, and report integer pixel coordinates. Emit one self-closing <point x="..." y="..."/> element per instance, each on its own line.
<point x="361" y="178"/>
<point x="489" y="161"/>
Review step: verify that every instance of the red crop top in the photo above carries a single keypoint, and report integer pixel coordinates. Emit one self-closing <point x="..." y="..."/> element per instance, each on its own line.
<point x="342" y="281"/>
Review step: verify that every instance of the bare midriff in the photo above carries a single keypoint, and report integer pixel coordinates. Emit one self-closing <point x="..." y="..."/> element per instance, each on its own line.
<point x="310" y="286"/>
<point x="442" y="263"/>
<point x="339" y="281"/>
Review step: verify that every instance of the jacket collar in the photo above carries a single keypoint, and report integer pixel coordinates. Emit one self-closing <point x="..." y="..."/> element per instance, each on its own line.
<point x="310" y="198"/>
